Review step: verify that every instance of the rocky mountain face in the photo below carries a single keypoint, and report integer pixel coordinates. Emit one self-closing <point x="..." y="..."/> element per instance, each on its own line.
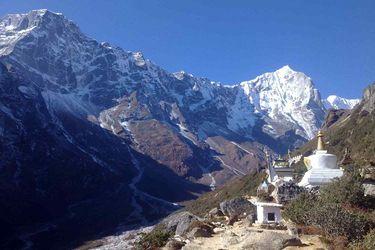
<point x="59" y="170"/>
<point x="369" y="99"/>
<point x="287" y="99"/>
<point x="89" y="128"/>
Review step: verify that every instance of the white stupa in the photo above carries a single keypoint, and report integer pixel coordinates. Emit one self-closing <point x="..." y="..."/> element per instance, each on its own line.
<point x="322" y="167"/>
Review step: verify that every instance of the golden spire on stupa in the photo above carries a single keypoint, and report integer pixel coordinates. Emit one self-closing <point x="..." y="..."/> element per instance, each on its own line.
<point x="320" y="141"/>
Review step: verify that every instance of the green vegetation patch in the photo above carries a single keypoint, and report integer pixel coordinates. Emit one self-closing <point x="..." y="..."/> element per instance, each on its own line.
<point x="368" y="242"/>
<point x="155" y="239"/>
<point x="340" y="210"/>
<point x="246" y="185"/>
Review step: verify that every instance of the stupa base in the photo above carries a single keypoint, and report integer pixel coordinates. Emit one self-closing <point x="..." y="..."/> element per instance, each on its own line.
<point x="318" y="177"/>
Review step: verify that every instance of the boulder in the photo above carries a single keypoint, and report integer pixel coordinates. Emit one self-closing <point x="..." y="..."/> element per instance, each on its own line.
<point x="179" y="223"/>
<point x="270" y="240"/>
<point x="215" y="212"/>
<point x="174" y="244"/>
<point x="369" y="98"/>
<point x="218" y="230"/>
<point x="369" y="188"/>
<point x="200" y="232"/>
<point x="200" y="229"/>
<point x="250" y="219"/>
<point x="240" y="207"/>
<point x="232" y="220"/>
<point x="229" y="239"/>
<point x="292" y="229"/>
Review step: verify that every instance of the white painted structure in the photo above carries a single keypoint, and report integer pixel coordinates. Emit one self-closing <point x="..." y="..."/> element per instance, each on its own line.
<point x="263" y="187"/>
<point x="279" y="171"/>
<point x="322" y="167"/>
<point x="268" y="212"/>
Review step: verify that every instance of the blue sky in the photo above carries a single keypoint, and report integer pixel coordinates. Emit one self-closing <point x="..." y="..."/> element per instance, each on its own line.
<point x="230" y="41"/>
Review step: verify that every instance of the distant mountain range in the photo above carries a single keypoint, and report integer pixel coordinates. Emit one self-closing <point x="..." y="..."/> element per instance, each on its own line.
<point x="89" y="125"/>
<point x="336" y="102"/>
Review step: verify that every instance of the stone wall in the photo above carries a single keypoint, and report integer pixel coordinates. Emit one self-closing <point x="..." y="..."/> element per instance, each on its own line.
<point x="286" y="192"/>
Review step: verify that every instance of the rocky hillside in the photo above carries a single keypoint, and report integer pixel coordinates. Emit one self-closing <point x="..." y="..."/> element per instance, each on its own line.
<point x="351" y="133"/>
<point x="56" y="167"/>
<point x="244" y="186"/>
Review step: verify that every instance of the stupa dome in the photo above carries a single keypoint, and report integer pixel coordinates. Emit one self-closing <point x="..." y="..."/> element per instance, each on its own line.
<point x="322" y="167"/>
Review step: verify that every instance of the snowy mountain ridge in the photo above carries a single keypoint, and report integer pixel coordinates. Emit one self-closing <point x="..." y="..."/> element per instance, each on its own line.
<point x="288" y="95"/>
<point x="14" y="27"/>
<point x="99" y="74"/>
<point x="337" y="102"/>
<point x="272" y="94"/>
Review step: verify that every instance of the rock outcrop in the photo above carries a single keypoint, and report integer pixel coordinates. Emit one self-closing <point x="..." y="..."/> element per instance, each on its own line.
<point x="333" y="116"/>
<point x="369" y="98"/>
<point x="180" y="223"/>
<point x="269" y="240"/>
<point x="286" y="192"/>
<point x="239" y="207"/>
<point x="201" y="230"/>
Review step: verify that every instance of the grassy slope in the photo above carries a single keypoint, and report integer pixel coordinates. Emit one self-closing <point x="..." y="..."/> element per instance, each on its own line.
<point x="355" y="132"/>
<point x="245" y="185"/>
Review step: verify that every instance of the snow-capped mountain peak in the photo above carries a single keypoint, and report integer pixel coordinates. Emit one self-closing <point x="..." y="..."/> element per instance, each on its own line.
<point x="15" y="27"/>
<point x="19" y="22"/>
<point x="286" y="96"/>
<point x="22" y="21"/>
<point x="180" y="75"/>
<point x="75" y="61"/>
<point x="337" y="102"/>
<point x="285" y="70"/>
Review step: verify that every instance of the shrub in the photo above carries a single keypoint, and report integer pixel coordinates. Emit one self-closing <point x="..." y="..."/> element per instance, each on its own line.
<point x="310" y="230"/>
<point x="368" y="242"/>
<point x="337" y="210"/>
<point x="155" y="239"/>
<point x="337" y="221"/>
<point x="339" y="242"/>
<point x="346" y="190"/>
<point x="299" y="209"/>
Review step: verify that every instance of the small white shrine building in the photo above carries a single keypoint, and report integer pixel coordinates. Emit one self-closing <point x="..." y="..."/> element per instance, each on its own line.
<point x="268" y="212"/>
<point x="322" y="167"/>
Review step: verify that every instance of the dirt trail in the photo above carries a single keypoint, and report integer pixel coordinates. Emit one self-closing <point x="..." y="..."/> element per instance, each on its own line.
<point x="240" y="236"/>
